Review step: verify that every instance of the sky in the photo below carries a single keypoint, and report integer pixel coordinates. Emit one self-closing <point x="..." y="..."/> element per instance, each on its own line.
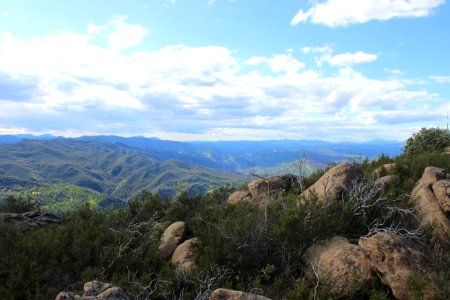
<point x="335" y="70"/>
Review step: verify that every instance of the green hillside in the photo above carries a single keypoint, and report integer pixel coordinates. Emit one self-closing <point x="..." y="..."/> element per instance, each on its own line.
<point x="102" y="169"/>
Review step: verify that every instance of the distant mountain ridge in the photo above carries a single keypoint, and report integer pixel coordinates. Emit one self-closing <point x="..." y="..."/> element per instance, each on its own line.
<point x="239" y="156"/>
<point x="113" y="169"/>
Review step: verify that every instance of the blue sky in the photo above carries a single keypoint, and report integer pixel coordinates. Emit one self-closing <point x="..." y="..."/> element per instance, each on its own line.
<point x="225" y="70"/>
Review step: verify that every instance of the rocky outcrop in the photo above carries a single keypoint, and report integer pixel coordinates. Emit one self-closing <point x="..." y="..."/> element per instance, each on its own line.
<point x="428" y="206"/>
<point x="385" y="181"/>
<point x="239" y="196"/>
<point x="447" y="150"/>
<point x="95" y="290"/>
<point x="183" y="256"/>
<point x="395" y="259"/>
<point x="262" y="190"/>
<point x="343" y="264"/>
<point x="441" y="191"/>
<point x="171" y="238"/>
<point x="29" y="220"/>
<point x="224" y="294"/>
<point x="385" y="169"/>
<point x="334" y="182"/>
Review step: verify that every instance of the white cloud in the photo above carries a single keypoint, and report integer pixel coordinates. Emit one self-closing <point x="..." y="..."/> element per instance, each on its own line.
<point x="6" y="14"/>
<point x="335" y="13"/>
<point x="350" y="59"/>
<point x="67" y="83"/>
<point x="324" y="54"/>
<point x="441" y="79"/>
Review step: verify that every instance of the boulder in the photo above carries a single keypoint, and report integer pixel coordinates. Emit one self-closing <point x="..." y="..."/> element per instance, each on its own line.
<point x="343" y="264"/>
<point x="385" y="181"/>
<point x="395" y="259"/>
<point x="29" y="220"/>
<point x="447" y="150"/>
<point x="428" y="207"/>
<point x="183" y="257"/>
<point x="334" y="182"/>
<point x="262" y="190"/>
<point x="238" y="196"/>
<point x="224" y="294"/>
<point x="171" y="238"/>
<point x="387" y="168"/>
<point x="441" y="191"/>
<point x="431" y="175"/>
<point x="95" y="290"/>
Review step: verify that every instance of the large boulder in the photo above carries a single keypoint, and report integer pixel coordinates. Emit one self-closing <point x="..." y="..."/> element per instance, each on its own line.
<point x="385" y="169"/>
<point x="343" y="264"/>
<point x="239" y="196"/>
<point x="183" y="257"/>
<point x="447" y="150"/>
<point x="428" y="207"/>
<point x="262" y="190"/>
<point x="29" y="220"/>
<point x="95" y="290"/>
<point x="396" y="259"/>
<point x="171" y="238"/>
<point x="441" y="191"/>
<point x="334" y="182"/>
<point x="224" y="294"/>
<point x="385" y="181"/>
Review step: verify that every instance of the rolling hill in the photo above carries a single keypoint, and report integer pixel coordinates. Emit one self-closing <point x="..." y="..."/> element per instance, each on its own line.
<point x="113" y="169"/>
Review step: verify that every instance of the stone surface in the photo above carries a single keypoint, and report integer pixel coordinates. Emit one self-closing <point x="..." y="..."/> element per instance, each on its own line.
<point x="262" y="190"/>
<point x="334" y="182"/>
<point x="238" y="196"/>
<point x="171" y="238"/>
<point x="343" y="264"/>
<point x="395" y="259"/>
<point x="428" y="207"/>
<point x="447" y="150"/>
<point x="29" y="220"/>
<point x="95" y="290"/>
<point x="441" y="191"/>
<point x="387" y="168"/>
<point x="431" y="175"/>
<point x="183" y="256"/>
<point x="224" y="294"/>
<point x="385" y="181"/>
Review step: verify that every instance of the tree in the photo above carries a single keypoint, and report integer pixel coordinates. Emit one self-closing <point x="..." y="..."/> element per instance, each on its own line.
<point x="427" y="140"/>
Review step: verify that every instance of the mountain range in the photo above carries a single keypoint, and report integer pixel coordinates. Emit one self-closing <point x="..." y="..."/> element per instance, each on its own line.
<point x="119" y="167"/>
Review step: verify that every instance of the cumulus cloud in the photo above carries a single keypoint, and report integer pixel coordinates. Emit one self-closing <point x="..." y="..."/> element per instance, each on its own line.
<point x="441" y="79"/>
<point x="70" y="83"/>
<point x="325" y="54"/>
<point x="336" y="13"/>
<point x="350" y="59"/>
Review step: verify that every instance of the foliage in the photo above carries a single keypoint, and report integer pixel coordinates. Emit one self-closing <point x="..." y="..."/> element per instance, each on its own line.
<point x="427" y="140"/>
<point x="242" y="246"/>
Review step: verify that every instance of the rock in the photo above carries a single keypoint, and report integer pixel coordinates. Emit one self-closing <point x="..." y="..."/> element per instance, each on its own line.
<point x="447" y="150"/>
<point x="441" y="191"/>
<point x="95" y="290"/>
<point x="224" y="294"/>
<point x="171" y="238"/>
<point x="270" y="187"/>
<point x="388" y="168"/>
<point x="29" y="220"/>
<point x="340" y="262"/>
<point x="385" y="181"/>
<point x="238" y="196"/>
<point x="183" y="256"/>
<point x="395" y="259"/>
<point x="334" y="182"/>
<point x="432" y="175"/>
<point x="262" y="190"/>
<point x="428" y="207"/>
